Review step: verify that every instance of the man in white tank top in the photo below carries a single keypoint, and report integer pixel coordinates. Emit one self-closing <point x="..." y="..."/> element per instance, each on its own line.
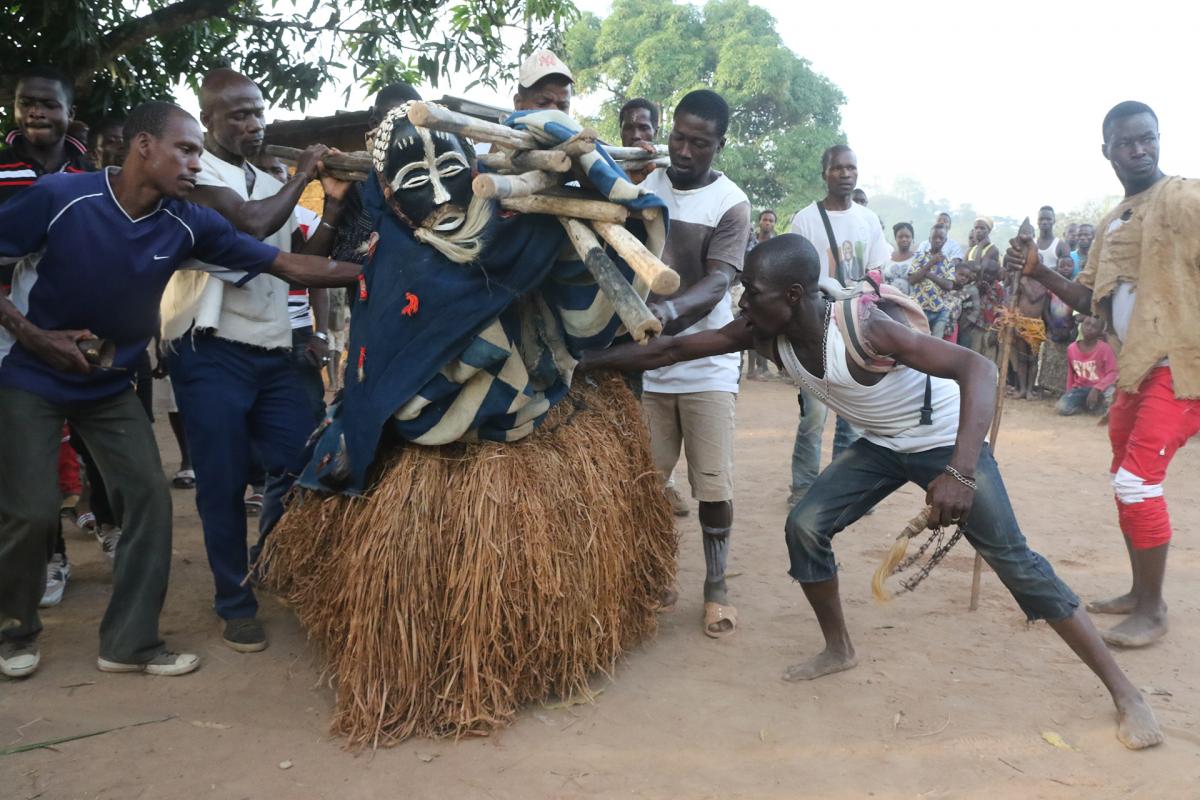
<point x="1050" y="247"/>
<point x="787" y="317"/>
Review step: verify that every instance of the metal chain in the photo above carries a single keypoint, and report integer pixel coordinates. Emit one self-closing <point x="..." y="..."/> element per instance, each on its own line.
<point x="940" y="551"/>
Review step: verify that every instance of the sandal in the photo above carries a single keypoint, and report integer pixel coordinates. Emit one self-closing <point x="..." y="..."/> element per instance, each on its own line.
<point x="719" y="621"/>
<point x="184" y="479"/>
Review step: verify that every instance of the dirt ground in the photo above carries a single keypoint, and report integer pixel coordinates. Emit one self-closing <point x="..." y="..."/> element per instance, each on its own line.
<point x="945" y="703"/>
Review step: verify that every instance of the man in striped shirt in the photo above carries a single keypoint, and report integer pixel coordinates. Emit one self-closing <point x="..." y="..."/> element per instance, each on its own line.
<point x="42" y="109"/>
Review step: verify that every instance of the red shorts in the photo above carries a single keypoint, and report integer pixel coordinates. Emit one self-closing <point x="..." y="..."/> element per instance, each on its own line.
<point x="1146" y="428"/>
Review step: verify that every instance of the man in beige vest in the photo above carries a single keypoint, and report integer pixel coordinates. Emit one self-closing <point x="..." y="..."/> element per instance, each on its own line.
<point x="1140" y="279"/>
<point x="230" y="365"/>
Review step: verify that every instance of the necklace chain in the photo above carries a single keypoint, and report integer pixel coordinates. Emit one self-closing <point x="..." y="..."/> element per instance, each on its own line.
<point x="825" y="346"/>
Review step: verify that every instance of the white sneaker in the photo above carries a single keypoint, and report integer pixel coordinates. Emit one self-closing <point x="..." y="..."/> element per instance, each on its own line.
<point x="165" y="663"/>
<point x="108" y="536"/>
<point x="18" y="660"/>
<point x="57" y="572"/>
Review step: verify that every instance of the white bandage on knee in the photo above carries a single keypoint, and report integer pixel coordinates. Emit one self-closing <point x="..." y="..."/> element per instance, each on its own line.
<point x="1130" y="488"/>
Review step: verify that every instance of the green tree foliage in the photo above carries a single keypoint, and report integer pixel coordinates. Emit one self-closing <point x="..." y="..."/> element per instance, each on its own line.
<point x="121" y="53"/>
<point x="783" y="113"/>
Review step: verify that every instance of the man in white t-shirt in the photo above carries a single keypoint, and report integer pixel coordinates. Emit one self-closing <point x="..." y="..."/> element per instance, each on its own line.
<point x="692" y="404"/>
<point x="857" y="247"/>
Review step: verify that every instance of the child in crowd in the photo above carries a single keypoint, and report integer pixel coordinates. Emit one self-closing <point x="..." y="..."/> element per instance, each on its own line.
<point x="1091" y="373"/>
<point x="1060" y="332"/>
<point x="963" y="303"/>
<point x="1031" y="302"/>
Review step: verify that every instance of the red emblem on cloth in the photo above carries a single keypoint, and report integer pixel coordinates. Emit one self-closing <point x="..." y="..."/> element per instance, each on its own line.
<point x="414" y="304"/>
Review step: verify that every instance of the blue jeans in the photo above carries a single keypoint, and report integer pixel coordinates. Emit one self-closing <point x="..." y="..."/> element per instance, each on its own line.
<point x="232" y="395"/>
<point x="867" y="473"/>
<point x="1074" y="401"/>
<point x="806" y="451"/>
<point x="938" y="322"/>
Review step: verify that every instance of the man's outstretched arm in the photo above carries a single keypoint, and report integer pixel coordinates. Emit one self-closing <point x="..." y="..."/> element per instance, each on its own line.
<point x="666" y="350"/>
<point x="976" y="378"/>
<point x="313" y="271"/>
<point x="1018" y="259"/>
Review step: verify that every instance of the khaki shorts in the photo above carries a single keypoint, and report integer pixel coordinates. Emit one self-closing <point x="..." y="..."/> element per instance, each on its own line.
<point x="703" y="423"/>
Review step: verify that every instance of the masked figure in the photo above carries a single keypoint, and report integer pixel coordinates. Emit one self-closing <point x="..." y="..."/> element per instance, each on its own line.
<point x="467" y="323"/>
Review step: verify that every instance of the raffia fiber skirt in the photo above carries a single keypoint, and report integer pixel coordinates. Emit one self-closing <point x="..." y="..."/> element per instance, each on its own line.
<point x="474" y="578"/>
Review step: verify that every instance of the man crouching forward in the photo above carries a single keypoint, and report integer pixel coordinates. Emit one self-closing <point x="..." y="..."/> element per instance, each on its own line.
<point x="923" y="420"/>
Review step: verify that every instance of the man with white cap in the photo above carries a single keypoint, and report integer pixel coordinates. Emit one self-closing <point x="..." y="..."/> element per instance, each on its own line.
<point x="544" y="82"/>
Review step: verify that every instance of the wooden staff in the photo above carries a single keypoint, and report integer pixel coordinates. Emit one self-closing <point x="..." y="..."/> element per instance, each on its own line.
<point x="598" y="210"/>
<point x="1006" y="342"/>
<point x="638" y="320"/>
<point x="440" y="118"/>
<point x="490" y="185"/>
<point x="525" y="160"/>
<point x="577" y="193"/>
<point x="346" y="167"/>
<point x="661" y="279"/>
<point x="635" y="153"/>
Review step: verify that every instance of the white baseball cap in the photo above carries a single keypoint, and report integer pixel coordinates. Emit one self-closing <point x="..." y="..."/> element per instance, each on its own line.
<point x="540" y="64"/>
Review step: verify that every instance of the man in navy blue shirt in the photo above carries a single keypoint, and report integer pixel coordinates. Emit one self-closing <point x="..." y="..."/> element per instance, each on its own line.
<point x="94" y="253"/>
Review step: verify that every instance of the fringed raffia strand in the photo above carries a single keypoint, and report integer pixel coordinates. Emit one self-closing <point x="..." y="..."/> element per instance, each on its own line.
<point x="476" y="578"/>
<point x="896" y="555"/>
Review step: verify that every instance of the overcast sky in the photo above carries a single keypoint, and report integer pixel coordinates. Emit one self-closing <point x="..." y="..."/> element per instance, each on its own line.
<point x="996" y="105"/>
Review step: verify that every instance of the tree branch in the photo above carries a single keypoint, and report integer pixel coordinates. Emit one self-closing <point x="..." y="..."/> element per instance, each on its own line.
<point x="164" y="21"/>
<point x="280" y="24"/>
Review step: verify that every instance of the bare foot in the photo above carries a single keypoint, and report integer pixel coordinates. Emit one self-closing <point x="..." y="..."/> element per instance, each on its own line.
<point x="1136" y="726"/>
<point x="1137" y="630"/>
<point x="824" y="663"/>
<point x="1123" y="604"/>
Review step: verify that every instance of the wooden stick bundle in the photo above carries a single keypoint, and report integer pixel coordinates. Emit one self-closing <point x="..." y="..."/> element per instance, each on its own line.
<point x="528" y="178"/>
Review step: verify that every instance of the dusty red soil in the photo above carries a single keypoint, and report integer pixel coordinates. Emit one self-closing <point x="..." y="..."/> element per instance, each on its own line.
<point x="945" y="703"/>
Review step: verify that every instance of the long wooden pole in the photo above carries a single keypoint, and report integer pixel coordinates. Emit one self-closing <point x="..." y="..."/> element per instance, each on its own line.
<point x="1006" y="342"/>
<point x="661" y="279"/>
<point x="641" y="324"/>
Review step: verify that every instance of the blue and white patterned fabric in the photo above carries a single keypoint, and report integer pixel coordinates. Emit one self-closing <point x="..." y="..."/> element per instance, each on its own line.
<point x="445" y="352"/>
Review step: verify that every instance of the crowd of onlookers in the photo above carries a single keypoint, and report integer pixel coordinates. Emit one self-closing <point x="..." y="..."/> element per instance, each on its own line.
<point x="962" y="293"/>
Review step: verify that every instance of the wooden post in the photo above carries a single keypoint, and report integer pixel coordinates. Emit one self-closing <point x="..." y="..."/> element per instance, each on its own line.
<point x="440" y="118"/>
<point x="347" y="166"/>
<point x="525" y="160"/>
<point x="635" y="153"/>
<point x="638" y="320"/>
<point x="490" y="185"/>
<point x="579" y="144"/>
<point x="661" y="279"/>
<point x="567" y="207"/>
<point x="1001" y="385"/>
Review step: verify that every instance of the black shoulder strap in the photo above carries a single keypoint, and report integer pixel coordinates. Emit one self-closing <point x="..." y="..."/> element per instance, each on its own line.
<point x="833" y="245"/>
<point x="927" y="406"/>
